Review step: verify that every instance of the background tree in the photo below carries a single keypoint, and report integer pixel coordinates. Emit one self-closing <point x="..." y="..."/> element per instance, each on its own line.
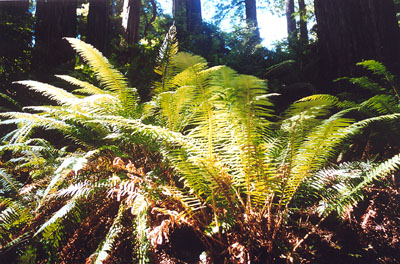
<point x="290" y="19"/>
<point x="132" y="28"/>
<point x="303" y="22"/>
<point x="99" y="24"/>
<point x="15" y="41"/>
<point x="55" y="19"/>
<point x="187" y="14"/>
<point x="353" y="30"/>
<point x="251" y="17"/>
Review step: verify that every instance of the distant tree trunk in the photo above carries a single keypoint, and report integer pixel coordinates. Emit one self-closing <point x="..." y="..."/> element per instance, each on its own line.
<point x="251" y="17"/>
<point x="187" y="16"/>
<point x="194" y="18"/>
<point x="303" y="23"/>
<point x="290" y="21"/>
<point x="132" y="32"/>
<point x="15" y="41"/>
<point x="352" y="30"/>
<point x="55" y="19"/>
<point x="98" y="24"/>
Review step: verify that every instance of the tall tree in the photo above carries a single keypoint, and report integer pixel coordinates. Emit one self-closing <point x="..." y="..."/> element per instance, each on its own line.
<point x="251" y="16"/>
<point x="15" y="40"/>
<point x="303" y="22"/>
<point x="290" y="20"/>
<point x="132" y="27"/>
<point x="352" y="30"/>
<point x="99" y="24"/>
<point x="187" y="15"/>
<point x="55" y="19"/>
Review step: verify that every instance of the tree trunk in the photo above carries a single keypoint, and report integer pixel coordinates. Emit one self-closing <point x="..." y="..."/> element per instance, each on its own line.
<point x="55" y="19"/>
<point x="350" y="31"/>
<point x="132" y="32"/>
<point x="290" y="21"/>
<point x="251" y="17"/>
<point x="99" y="24"/>
<point x="15" y="41"/>
<point x="303" y="23"/>
<point x="187" y="15"/>
<point x="194" y="18"/>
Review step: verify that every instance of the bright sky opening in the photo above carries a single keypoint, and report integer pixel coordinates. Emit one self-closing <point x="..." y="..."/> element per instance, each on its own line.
<point x="272" y="27"/>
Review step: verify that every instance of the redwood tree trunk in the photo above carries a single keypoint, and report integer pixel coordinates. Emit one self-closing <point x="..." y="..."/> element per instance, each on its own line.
<point x="303" y="23"/>
<point x="55" y="19"/>
<point x="290" y="20"/>
<point x="352" y="30"/>
<point x="98" y="24"/>
<point x="133" y="25"/>
<point x="251" y="16"/>
<point x="194" y="17"/>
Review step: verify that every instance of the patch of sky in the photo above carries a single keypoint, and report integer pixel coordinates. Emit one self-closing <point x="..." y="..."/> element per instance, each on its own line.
<point x="272" y="26"/>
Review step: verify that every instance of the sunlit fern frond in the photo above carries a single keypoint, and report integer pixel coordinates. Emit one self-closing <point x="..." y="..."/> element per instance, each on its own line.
<point x="69" y="165"/>
<point x="337" y="181"/>
<point x="52" y="92"/>
<point x="329" y="100"/>
<point x="53" y="229"/>
<point x="318" y="147"/>
<point x="174" y="110"/>
<point x="188" y="201"/>
<point x="165" y="62"/>
<point x="84" y="189"/>
<point x="11" y="101"/>
<point x="351" y="194"/>
<point x="105" y="247"/>
<point x="8" y="182"/>
<point x="11" y="212"/>
<point x="86" y="88"/>
<point x="110" y="78"/>
<point x="380" y="105"/>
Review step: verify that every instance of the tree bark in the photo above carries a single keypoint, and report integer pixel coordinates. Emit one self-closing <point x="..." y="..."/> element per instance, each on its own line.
<point x="350" y="31"/>
<point x="187" y="16"/>
<point x="55" y="19"/>
<point x="15" y="41"/>
<point x="303" y="23"/>
<point x="290" y="20"/>
<point x="251" y="17"/>
<point x="132" y="32"/>
<point x="194" y="17"/>
<point x="99" y="24"/>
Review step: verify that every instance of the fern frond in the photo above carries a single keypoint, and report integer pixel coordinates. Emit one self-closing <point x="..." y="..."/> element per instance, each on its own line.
<point x="165" y="62"/>
<point x="86" y="88"/>
<point x="7" y="181"/>
<point x="381" y="104"/>
<point x="55" y="93"/>
<point x="71" y="163"/>
<point x="52" y="229"/>
<point x="110" y="78"/>
<point x="350" y="195"/>
<point x="105" y="248"/>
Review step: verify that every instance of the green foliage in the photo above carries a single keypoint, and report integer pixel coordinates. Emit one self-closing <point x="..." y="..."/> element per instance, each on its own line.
<point x="225" y="165"/>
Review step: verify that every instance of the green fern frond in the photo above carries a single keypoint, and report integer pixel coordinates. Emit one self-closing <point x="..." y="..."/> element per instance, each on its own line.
<point x="381" y="104"/>
<point x="55" y="93"/>
<point x="330" y="100"/>
<point x="10" y="100"/>
<point x="52" y="229"/>
<point x="105" y="248"/>
<point x="86" y="88"/>
<point x="8" y="183"/>
<point x="71" y="163"/>
<point x="165" y="62"/>
<point x="350" y="195"/>
<point x="111" y="79"/>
